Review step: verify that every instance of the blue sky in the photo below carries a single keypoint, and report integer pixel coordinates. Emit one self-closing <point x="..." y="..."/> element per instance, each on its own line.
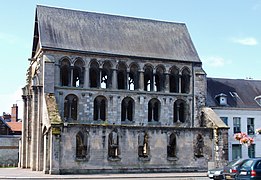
<point x="226" y="34"/>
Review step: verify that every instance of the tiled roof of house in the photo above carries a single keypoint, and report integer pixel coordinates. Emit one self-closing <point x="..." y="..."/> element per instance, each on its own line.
<point x="240" y="93"/>
<point x="15" y="126"/>
<point x="88" y="32"/>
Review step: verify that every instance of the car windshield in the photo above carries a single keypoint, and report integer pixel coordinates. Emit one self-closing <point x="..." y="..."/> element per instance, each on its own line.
<point x="247" y="164"/>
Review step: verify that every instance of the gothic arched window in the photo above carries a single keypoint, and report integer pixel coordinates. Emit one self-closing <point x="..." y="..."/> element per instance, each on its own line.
<point x="153" y="110"/>
<point x="174" y="80"/>
<point x="172" y="145"/>
<point x="81" y="145"/>
<point x="143" y="145"/>
<point x="106" y="75"/>
<point x="122" y="76"/>
<point x="94" y="75"/>
<point x="70" y="107"/>
<point x="127" y="109"/>
<point x="78" y="73"/>
<point x="133" y="77"/>
<point x="180" y="111"/>
<point x="148" y="79"/>
<point x="159" y="79"/>
<point x="100" y="108"/>
<point x="113" y="145"/>
<point x="65" y="72"/>
<point x="185" y="81"/>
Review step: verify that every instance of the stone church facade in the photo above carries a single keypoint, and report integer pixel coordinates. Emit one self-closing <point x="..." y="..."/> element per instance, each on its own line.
<point x="108" y="93"/>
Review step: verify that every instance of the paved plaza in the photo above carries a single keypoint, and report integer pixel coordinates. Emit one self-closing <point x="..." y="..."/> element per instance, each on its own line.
<point x="17" y="173"/>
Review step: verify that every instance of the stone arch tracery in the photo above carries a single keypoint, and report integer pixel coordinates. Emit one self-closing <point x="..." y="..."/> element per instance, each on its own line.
<point x="148" y="78"/>
<point x="133" y="80"/>
<point x="106" y="75"/>
<point x="159" y="79"/>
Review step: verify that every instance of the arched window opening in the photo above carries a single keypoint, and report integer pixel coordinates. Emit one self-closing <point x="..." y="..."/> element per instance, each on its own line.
<point x="100" y="108"/>
<point x="159" y="79"/>
<point x="185" y="81"/>
<point x="81" y="145"/>
<point x="70" y="107"/>
<point x="121" y="76"/>
<point x="143" y="142"/>
<point x="180" y="111"/>
<point x="78" y="74"/>
<point x="153" y="110"/>
<point x="113" y="145"/>
<point x="133" y="78"/>
<point x="172" y="145"/>
<point x="174" y="80"/>
<point x="106" y="76"/>
<point x="94" y="75"/>
<point x="127" y="109"/>
<point x="199" y="145"/>
<point x="65" y="73"/>
<point x="148" y="79"/>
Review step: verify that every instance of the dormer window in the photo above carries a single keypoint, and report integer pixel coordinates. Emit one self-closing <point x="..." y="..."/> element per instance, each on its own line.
<point x="222" y="99"/>
<point x="258" y="100"/>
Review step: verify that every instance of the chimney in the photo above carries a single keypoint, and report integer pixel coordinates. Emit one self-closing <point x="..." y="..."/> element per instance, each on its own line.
<point x="14" y="113"/>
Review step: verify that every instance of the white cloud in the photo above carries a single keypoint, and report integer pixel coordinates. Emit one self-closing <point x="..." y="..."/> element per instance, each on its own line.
<point x="248" y="41"/>
<point x="214" y="61"/>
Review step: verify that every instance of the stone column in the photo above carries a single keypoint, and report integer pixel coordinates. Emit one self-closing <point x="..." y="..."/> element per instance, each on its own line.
<point x="127" y="84"/>
<point x="86" y="78"/>
<point x="71" y="78"/>
<point x="166" y="86"/>
<point x="29" y="129"/>
<point x="46" y="159"/>
<point x="24" y="137"/>
<point x="57" y="75"/>
<point x="114" y="79"/>
<point x="55" y="151"/>
<point x="39" y="162"/>
<point x="141" y="81"/>
<point x="34" y="128"/>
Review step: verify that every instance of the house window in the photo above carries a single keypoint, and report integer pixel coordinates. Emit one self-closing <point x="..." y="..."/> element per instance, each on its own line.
<point x="148" y="79"/>
<point x="94" y="74"/>
<point x="143" y="143"/>
<point x="70" y="107"/>
<point x="153" y="110"/>
<point x="133" y="81"/>
<point x="250" y="126"/>
<point x="225" y="120"/>
<point x="237" y="124"/>
<point x="81" y="145"/>
<point x="121" y="76"/>
<point x="251" y="151"/>
<point x="100" y="108"/>
<point x="172" y="144"/>
<point x="236" y="151"/>
<point x="113" y="145"/>
<point x="127" y="109"/>
<point x="159" y="79"/>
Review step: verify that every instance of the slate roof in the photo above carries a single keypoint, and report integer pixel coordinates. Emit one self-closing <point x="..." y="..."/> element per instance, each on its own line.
<point x="247" y="91"/>
<point x="74" y="30"/>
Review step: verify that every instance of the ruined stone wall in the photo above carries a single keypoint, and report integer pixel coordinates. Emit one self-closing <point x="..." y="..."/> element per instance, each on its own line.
<point x="9" y="149"/>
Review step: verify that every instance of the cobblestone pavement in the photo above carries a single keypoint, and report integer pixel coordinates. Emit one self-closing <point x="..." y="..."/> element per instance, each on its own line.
<point x="17" y="173"/>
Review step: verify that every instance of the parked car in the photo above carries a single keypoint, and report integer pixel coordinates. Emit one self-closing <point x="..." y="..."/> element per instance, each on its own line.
<point x="231" y="170"/>
<point x="251" y="169"/>
<point x="215" y="172"/>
